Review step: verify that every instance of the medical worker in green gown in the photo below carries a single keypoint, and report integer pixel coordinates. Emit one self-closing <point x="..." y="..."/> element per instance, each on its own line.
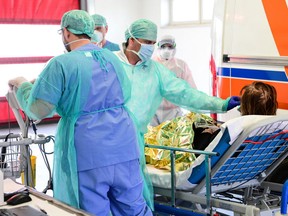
<point x="151" y="82"/>
<point x="96" y="155"/>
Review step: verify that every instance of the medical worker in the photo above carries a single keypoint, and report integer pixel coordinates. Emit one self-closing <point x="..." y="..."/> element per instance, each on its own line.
<point x="87" y="87"/>
<point x="152" y="81"/>
<point x="101" y="29"/>
<point x="166" y="56"/>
